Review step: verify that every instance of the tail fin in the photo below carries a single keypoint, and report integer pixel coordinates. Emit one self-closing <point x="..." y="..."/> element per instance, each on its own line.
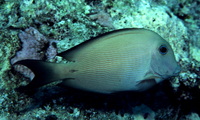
<point x="44" y="73"/>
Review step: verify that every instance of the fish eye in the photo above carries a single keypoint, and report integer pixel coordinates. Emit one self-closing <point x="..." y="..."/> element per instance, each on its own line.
<point x="163" y="49"/>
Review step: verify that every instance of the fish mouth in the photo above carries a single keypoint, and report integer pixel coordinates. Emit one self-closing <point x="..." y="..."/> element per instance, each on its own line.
<point x="154" y="76"/>
<point x="165" y="76"/>
<point x="177" y="71"/>
<point x="158" y="75"/>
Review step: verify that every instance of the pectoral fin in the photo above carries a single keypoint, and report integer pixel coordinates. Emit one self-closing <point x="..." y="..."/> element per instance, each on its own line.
<point x="146" y="84"/>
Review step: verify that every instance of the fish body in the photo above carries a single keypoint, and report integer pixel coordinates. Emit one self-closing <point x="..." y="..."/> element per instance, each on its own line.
<point x="122" y="60"/>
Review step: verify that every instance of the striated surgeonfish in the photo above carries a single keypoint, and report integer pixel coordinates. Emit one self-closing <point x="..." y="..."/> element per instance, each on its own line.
<point x="133" y="59"/>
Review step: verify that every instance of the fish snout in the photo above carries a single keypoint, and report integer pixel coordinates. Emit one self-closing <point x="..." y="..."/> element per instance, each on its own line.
<point x="177" y="70"/>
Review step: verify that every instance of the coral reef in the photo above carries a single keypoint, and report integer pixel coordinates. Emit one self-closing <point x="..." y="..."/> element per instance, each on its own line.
<point x="103" y="19"/>
<point x="72" y="22"/>
<point x="34" y="46"/>
<point x="143" y="112"/>
<point x="9" y="44"/>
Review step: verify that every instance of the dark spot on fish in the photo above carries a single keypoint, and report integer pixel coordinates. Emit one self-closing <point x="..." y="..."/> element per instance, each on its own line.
<point x="154" y="20"/>
<point x="169" y="14"/>
<point x="72" y="71"/>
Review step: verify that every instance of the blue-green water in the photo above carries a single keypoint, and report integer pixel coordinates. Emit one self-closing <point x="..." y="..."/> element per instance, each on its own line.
<point x="68" y="23"/>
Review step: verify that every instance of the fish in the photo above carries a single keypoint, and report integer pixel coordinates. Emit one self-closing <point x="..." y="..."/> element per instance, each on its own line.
<point x="131" y="59"/>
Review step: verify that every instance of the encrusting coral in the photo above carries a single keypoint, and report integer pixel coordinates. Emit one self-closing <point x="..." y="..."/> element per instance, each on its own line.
<point x="34" y="46"/>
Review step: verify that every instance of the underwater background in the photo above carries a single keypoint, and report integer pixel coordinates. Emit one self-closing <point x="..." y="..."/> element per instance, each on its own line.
<point x="39" y="29"/>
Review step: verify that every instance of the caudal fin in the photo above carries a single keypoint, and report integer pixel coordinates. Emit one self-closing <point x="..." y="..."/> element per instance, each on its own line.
<point x="44" y="73"/>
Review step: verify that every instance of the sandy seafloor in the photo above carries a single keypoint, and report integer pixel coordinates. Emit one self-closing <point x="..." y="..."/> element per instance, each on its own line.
<point x="40" y="29"/>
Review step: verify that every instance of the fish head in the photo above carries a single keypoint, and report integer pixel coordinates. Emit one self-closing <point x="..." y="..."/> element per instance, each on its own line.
<point x="163" y="63"/>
